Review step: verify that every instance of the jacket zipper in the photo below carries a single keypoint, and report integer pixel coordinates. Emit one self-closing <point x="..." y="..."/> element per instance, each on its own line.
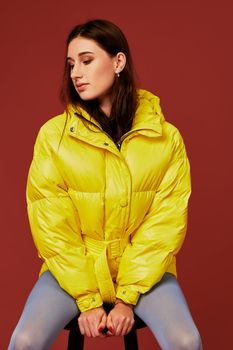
<point x="118" y="143"/>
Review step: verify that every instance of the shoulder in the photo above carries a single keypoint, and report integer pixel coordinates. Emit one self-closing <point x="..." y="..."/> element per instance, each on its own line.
<point x="172" y="131"/>
<point x="175" y="139"/>
<point x="50" y="133"/>
<point x="54" y="126"/>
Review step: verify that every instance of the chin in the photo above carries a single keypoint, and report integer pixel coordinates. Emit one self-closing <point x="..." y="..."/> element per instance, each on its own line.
<point x="87" y="97"/>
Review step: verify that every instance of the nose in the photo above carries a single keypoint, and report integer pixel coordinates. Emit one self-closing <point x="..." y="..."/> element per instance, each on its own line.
<point x="76" y="72"/>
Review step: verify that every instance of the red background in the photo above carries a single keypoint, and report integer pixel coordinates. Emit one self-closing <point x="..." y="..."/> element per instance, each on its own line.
<point x="183" y="53"/>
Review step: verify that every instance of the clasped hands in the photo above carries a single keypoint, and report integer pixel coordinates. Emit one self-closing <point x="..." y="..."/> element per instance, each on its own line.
<point x="118" y="322"/>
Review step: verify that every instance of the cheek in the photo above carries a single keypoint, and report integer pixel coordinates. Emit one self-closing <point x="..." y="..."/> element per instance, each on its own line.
<point x="104" y="74"/>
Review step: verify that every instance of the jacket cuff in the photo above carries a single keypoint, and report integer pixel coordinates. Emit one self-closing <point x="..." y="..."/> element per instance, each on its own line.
<point x="89" y="302"/>
<point x="128" y="295"/>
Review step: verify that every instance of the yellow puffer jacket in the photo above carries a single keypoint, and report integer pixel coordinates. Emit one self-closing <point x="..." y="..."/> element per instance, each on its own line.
<point x="108" y="221"/>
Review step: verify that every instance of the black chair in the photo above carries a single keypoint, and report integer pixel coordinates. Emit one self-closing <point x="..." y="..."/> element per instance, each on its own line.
<point x="76" y="339"/>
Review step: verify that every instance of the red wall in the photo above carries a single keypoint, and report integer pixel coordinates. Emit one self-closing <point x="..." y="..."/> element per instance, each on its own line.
<point x="183" y="53"/>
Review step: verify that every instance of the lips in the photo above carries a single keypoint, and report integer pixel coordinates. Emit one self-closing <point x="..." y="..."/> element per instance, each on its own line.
<point x="81" y="86"/>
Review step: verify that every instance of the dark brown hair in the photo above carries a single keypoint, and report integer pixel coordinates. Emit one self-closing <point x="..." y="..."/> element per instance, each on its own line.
<point x="123" y="92"/>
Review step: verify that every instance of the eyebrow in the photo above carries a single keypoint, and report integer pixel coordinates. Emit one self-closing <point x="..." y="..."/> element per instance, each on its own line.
<point x="81" y="54"/>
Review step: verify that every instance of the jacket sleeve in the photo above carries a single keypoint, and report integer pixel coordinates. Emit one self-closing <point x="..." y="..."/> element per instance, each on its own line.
<point x="55" y="227"/>
<point x="161" y="234"/>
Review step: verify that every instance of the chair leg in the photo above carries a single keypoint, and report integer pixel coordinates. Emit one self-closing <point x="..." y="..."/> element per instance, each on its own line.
<point x="75" y="340"/>
<point x="131" y="340"/>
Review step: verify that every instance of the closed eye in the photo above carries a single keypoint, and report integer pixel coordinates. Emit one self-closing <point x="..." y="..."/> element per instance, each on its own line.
<point x="87" y="62"/>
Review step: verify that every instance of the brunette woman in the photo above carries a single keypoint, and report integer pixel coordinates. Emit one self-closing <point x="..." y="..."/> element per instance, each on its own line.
<point x="107" y="195"/>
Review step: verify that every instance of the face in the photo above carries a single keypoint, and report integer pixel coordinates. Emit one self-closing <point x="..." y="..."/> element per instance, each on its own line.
<point x="92" y="69"/>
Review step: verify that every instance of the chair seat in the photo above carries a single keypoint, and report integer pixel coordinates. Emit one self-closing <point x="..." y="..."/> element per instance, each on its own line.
<point x="76" y="339"/>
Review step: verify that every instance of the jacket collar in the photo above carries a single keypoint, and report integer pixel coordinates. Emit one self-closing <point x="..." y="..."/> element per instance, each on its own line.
<point x="148" y="118"/>
<point x="147" y="121"/>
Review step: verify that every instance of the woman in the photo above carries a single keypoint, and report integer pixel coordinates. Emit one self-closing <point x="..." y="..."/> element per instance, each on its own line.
<point x="107" y="196"/>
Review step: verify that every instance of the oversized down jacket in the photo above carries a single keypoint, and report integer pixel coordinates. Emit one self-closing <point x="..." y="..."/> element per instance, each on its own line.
<point x="108" y="220"/>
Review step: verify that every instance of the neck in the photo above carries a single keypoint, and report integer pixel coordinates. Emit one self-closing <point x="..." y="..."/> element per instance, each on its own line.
<point x="106" y="107"/>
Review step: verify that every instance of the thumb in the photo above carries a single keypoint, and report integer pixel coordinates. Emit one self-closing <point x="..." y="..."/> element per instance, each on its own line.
<point x="102" y="323"/>
<point x="110" y="324"/>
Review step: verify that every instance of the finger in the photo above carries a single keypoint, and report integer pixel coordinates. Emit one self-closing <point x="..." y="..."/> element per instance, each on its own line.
<point x="87" y="331"/>
<point x="102" y="323"/>
<point x="97" y="324"/>
<point x="126" y="328"/>
<point x="81" y="328"/>
<point x="131" y="324"/>
<point x="109" y="325"/>
<point x="93" y="327"/>
<point x="119" y="326"/>
<point x="109" y="334"/>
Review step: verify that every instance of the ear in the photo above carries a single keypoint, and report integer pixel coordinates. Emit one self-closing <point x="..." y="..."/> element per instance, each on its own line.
<point x="120" y="62"/>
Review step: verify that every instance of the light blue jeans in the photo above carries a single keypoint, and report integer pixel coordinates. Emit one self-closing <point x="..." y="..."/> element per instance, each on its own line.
<point x="49" y="308"/>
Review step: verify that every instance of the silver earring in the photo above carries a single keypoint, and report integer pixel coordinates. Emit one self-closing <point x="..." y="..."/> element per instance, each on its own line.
<point x="118" y="74"/>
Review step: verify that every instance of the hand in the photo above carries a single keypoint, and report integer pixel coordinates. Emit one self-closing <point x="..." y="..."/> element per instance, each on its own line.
<point x="120" y="319"/>
<point x="92" y="322"/>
